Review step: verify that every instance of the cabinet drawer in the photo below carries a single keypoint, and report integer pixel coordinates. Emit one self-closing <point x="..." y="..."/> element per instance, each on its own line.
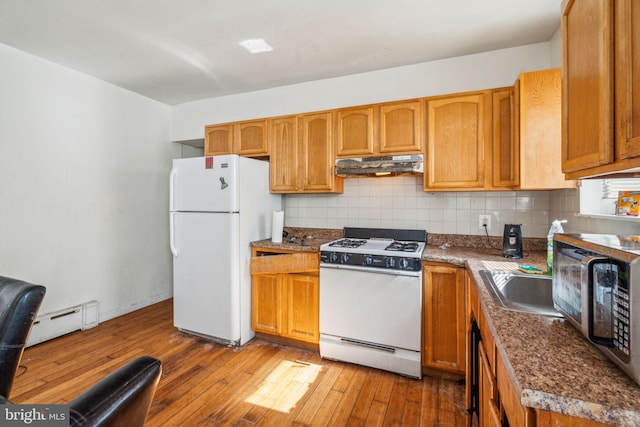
<point x="285" y="263"/>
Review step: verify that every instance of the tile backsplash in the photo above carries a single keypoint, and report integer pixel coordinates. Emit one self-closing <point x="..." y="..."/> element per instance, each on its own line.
<point x="401" y="202"/>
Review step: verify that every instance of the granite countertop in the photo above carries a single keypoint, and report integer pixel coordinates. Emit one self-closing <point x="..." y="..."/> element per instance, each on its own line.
<point x="552" y="366"/>
<point x="301" y="239"/>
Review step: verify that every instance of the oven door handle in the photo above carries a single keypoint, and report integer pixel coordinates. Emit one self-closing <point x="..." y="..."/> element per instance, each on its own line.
<point x="368" y="345"/>
<point x="372" y="270"/>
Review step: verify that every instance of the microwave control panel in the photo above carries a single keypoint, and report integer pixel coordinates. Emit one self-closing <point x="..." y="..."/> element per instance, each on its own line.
<point x="621" y="325"/>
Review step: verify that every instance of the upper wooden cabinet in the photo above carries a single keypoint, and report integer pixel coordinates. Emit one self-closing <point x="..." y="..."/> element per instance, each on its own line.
<point x="284" y="160"/>
<point x="527" y="134"/>
<point x="400" y="127"/>
<point x="355" y="133"/>
<point x="249" y="138"/>
<point x="601" y="87"/>
<point x="506" y="148"/>
<point x="458" y="131"/>
<point x="317" y="153"/>
<point x="627" y="54"/>
<point x="218" y="140"/>
<point x="381" y="129"/>
<point x="302" y="158"/>
<point x="538" y="112"/>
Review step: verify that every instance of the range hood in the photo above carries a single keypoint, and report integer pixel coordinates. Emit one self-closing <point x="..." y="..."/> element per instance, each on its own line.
<point x="380" y="165"/>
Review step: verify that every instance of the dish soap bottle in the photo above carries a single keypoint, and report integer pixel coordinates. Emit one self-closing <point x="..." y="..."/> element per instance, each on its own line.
<point x="556" y="227"/>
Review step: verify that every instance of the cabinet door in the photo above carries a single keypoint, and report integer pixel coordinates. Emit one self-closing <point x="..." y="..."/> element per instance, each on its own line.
<point x="488" y="392"/>
<point x="317" y="153"/>
<point x="355" y="132"/>
<point x="303" y="307"/>
<point x="587" y="110"/>
<point x="251" y="138"/>
<point x="506" y="153"/>
<point x="628" y="78"/>
<point x="218" y="140"/>
<point x="400" y="127"/>
<point x="512" y="410"/>
<point x="283" y="162"/>
<point x="456" y="138"/>
<point x="444" y="318"/>
<point x="540" y="130"/>
<point x="266" y="303"/>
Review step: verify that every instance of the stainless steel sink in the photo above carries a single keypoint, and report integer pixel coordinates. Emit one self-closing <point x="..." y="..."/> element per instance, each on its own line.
<point x="520" y="292"/>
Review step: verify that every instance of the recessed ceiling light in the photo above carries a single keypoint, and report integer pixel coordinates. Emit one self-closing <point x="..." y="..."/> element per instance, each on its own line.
<point x="256" y="45"/>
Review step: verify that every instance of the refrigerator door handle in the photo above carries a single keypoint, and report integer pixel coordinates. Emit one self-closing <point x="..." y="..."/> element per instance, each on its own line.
<point x="172" y="176"/>
<point x="172" y="241"/>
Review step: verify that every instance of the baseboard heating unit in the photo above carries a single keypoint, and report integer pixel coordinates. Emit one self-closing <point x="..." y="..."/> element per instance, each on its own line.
<point x="52" y="325"/>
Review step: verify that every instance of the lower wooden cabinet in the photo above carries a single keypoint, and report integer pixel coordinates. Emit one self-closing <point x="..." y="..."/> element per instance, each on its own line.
<point x="285" y="294"/>
<point x="497" y="401"/>
<point x="443" y="328"/>
<point x="487" y="391"/>
<point x="266" y="303"/>
<point x="302" y="307"/>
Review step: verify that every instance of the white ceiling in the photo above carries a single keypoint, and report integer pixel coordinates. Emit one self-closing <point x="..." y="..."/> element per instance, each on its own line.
<point x="176" y="51"/>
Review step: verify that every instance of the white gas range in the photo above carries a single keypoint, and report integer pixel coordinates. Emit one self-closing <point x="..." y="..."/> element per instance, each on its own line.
<point x="371" y="299"/>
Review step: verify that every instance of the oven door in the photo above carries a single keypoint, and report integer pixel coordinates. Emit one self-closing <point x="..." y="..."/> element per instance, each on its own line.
<point x="378" y="307"/>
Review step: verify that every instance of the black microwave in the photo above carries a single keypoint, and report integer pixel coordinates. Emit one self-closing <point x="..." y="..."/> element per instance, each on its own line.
<point x="594" y="276"/>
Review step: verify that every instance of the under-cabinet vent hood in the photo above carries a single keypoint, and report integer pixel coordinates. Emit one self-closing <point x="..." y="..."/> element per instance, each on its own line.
<point x="380" y="165"/>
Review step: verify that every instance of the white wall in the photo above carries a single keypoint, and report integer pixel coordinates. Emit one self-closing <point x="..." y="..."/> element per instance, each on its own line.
<point x="473" y="72"/>
<point x="83" y="187"/>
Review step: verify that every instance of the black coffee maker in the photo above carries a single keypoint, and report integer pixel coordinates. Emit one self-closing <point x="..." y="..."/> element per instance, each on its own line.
<point x="512" y="241"/>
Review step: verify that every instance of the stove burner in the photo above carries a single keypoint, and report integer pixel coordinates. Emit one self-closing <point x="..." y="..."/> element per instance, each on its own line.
<point x="348" y="243"/>
<point x="402" y="246"/>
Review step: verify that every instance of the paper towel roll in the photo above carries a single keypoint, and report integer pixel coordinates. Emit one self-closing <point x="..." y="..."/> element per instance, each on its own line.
<point x="277" y="226"/>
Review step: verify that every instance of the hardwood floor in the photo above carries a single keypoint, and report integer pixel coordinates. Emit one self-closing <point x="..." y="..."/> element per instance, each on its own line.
<point x="209" y="384"/>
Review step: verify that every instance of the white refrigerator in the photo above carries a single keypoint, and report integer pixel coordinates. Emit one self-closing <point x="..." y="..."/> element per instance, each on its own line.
<point x="218" y="205"/>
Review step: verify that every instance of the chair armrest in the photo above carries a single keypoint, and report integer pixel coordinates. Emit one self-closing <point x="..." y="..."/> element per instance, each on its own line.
<point x="121" y="398"/>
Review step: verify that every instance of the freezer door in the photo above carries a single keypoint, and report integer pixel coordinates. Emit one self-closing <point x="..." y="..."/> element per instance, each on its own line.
<point x="206" y="283"/>
<point x="204" y="184"/>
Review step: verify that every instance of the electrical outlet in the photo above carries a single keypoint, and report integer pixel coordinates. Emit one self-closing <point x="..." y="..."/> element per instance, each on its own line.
<point x="484" y="220"/>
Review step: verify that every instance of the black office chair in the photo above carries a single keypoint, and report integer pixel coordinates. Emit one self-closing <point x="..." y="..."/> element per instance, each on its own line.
<point x="19" y="304"/>
<point x="122" y="398"/>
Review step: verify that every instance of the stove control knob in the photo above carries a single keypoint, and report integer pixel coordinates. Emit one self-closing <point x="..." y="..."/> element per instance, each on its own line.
<point x="404" y="263"/>
<point x="368" y="260"/>
<point x="333" y="258"/>
<point x="390" y="262"/>
<point x="345" y="258"/>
